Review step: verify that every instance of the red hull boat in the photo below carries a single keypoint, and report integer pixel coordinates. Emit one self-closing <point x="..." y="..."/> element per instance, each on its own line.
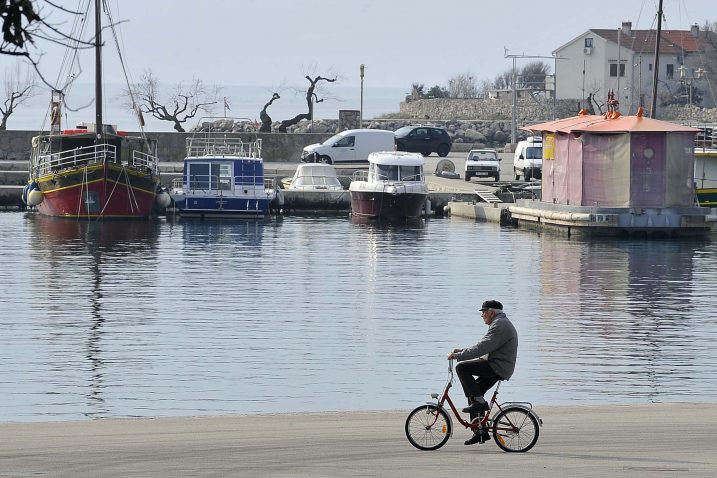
<point x="76" y="178"/>
<point x="393" y="188"/>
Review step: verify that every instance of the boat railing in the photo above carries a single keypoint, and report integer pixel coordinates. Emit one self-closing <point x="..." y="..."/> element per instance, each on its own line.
<point x="359" y="176"/>
<point x="224" y="145"/>
<point x="213" y="182"/>
<point x="98" y="153"/>
<point x="706" y="137"/>
<point x="144" y="160"/>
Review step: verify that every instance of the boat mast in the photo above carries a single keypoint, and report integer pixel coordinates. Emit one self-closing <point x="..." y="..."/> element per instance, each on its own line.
<point x="657" y="62"/>
<point x="98" y="69"/>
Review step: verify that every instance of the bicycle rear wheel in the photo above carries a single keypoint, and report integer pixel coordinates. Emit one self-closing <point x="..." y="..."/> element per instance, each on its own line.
<point x="515" y="430"/>
<point x="428" y="427"/>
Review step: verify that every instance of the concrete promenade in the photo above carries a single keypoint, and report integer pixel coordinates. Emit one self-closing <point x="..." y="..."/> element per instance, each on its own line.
<point x="650" y="440"/>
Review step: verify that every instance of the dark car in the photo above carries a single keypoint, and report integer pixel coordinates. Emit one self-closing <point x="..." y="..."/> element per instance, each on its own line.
<point x="424" y="140"/>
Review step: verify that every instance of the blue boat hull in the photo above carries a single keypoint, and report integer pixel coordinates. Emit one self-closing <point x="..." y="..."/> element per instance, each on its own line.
<point x="223" y="207"/>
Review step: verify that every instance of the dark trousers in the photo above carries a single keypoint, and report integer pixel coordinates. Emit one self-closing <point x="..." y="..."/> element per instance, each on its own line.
<point x="477" y="377"/>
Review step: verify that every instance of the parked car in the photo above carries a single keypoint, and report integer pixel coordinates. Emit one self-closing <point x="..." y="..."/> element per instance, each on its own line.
<point x="482" y="163"/>
<point x="528" y="158"/>
<point x="352" y="145"/>
<point x="424" y="140"/>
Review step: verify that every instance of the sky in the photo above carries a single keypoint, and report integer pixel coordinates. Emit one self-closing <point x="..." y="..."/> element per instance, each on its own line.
<point x="273" y="44"/>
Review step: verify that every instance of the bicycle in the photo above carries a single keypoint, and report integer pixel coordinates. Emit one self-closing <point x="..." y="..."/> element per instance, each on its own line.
<point x="515" y="426"/>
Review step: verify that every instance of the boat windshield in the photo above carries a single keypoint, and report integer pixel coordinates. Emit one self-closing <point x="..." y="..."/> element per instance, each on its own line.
<point x="393" y="172"/>
<point x="533" y="152"/>
<point x="387" y="172"/>
<point x="410" y="173"/>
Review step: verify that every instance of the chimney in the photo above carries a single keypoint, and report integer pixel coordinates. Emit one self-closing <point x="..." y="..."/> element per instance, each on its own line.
<point x="695" y="30"/>
<point x="627" y="28"/>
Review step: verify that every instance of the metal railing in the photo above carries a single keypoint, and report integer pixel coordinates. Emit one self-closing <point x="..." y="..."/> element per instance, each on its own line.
<point x="98" y="153"/>
<point x="359" y="176"/>
<point x="212" y="182"/>
<point x="223" y="145"/>
<point x="144" y="160"/>
<point x="706" y="137"/>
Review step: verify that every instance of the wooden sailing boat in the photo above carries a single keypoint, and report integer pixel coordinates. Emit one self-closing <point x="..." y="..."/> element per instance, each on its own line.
<point x="93" y="171"/>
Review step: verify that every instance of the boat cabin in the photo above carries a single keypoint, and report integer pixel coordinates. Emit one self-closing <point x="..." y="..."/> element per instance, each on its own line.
<point x="395" y="166"/>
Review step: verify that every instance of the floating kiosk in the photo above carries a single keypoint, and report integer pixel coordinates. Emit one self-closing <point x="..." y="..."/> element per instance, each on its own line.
<point x="613" y="174"/>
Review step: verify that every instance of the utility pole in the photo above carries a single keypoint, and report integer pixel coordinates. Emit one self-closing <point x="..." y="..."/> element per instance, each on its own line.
<point x="513" y="128"/>
<point x="653" y="109"/>
<point x="361" y="68"/>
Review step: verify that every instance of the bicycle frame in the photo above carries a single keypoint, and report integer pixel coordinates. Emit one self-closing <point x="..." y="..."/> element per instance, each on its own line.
<point x="445" y="397"/>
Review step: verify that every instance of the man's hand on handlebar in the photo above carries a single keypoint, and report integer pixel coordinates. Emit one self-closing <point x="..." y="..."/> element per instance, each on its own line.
<point x="455" y="351"/>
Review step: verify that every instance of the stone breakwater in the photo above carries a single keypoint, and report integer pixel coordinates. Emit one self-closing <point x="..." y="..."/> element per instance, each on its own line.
<point x="474" y="123"/>
<point x="475" y="133"/>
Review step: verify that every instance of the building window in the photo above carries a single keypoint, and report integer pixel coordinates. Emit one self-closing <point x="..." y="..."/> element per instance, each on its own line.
<point x="588" y="43"/>
<point x="649" y="67"/>
<point x="670" y="71"/>
<point x="613" y="69"/>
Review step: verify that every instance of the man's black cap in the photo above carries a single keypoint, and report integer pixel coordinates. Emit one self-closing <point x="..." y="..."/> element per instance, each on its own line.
<point x="491" y="304"/>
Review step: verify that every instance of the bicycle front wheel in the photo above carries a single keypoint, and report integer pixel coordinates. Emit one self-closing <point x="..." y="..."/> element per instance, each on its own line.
<point x="515" y="430"/>
<point x="428" y="427"/>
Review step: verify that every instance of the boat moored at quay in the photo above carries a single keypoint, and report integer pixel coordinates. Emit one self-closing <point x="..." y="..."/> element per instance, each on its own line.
<point x="393" y="188"/>
<point x="222" y="177"/>
<point x="92" y="171"/>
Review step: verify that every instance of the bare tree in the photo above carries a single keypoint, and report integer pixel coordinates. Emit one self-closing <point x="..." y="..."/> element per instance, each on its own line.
<point x="23" y="22"/>
<point x="18" y="89"/>
<point x="311" y="98"/>
<point x="503" y="80"/>
<point x="264" y="116"/>
<point x="463" y="86"/>
<point x="181" y="105"/>
<point x="532" y="75"/>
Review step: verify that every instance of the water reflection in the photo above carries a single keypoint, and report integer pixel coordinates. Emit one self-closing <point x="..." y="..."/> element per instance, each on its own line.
<point x="316" y="313"/>
<point x="629" y="311"/>
<point x="90" y="259"/>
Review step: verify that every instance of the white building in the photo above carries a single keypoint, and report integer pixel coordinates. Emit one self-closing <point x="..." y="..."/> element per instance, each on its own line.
<point x="594" y="64"/>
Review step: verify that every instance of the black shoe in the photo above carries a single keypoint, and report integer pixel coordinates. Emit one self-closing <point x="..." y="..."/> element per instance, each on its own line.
<point x="480" y="436"/>
<point x="476" y="407"/>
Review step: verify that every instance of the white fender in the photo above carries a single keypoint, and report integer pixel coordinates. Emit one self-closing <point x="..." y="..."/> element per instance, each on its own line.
<point x="34" y="197"/>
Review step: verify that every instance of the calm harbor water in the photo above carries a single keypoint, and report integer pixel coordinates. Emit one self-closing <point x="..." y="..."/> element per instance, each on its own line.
<point x="296" y="314"/>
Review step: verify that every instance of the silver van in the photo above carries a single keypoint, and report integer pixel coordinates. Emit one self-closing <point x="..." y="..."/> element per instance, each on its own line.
<point x="350" y="146"/>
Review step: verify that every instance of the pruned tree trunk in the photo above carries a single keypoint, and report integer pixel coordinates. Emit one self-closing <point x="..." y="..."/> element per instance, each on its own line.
<point x="311" y="98"/>
<point x="264" y="116"/>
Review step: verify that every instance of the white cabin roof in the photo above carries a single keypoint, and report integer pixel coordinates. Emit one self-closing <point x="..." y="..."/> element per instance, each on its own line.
<point x="400" y="158"/>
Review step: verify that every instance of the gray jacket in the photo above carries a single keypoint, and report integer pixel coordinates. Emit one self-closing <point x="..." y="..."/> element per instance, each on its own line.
<point x="501" y="345"/>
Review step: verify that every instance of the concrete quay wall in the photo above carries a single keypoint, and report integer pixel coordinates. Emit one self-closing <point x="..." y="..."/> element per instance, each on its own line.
<point x="285" y="147"/>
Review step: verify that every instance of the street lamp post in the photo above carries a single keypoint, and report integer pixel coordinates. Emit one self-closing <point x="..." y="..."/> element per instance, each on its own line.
<point x="361" y="69"/>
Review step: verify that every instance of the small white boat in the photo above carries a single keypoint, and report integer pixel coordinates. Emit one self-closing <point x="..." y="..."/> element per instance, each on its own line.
<point x="315" y="187"/>
<point x="315" y="177"/>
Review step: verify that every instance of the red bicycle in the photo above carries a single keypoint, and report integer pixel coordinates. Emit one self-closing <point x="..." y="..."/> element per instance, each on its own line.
<point x="515" y="426"/>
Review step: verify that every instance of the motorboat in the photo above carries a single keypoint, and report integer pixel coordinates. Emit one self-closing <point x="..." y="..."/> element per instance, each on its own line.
<point x="222" y="176"/>
<point x="315" y="187"/>
<point x="393" y="188"/>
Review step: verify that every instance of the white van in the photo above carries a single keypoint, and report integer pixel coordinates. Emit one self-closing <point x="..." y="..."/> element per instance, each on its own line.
<point x="528" y="159"/>
<point x="353" y="145"/>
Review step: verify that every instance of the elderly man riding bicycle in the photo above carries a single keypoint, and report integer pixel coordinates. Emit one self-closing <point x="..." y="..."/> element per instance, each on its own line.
<point x="478" y="373"/>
